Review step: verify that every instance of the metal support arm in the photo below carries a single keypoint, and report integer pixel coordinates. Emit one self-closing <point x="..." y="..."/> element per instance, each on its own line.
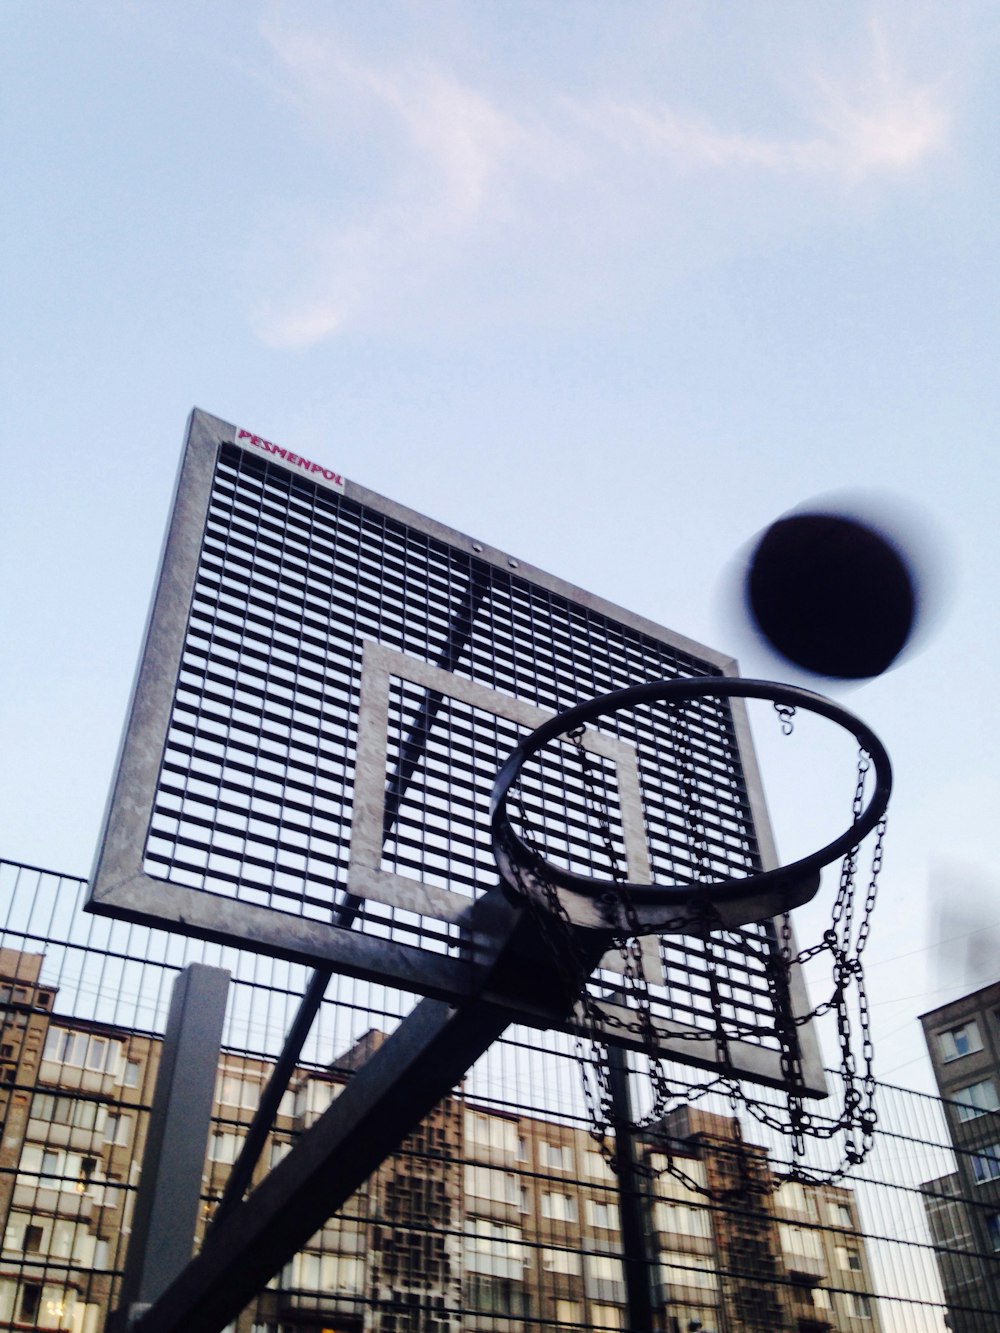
<point x="385" y="1100"/>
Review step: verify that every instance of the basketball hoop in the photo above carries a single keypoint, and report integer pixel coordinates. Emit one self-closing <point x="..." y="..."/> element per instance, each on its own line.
<point x="570" y="906"/>
<point x="597" y="904"/>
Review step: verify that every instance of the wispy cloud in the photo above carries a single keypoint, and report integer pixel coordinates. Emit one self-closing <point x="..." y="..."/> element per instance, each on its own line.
<point x="450" y="169"/>
<point x="882" y="122"/>
<point x="852" y="142"/>
<point x="875" y="123"/>
<point x="446" y="155"/>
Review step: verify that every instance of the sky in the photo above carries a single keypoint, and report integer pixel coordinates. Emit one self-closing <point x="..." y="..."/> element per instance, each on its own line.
<point x="610" y="287"/>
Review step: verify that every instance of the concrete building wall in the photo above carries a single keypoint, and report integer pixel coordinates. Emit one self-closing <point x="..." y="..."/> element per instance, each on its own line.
<point x="963" y="1041"/>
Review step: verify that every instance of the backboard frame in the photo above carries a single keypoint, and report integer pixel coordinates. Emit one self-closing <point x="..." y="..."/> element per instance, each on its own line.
<point x="121" y="887"/>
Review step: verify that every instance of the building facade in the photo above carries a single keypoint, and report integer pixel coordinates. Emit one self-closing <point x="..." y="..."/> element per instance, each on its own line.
<point x="485" y="1220"/>
<point x="963" y="1209"/>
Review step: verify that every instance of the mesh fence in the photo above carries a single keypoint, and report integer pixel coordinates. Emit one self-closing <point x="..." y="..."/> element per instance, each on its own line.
<point x="498" y="1213"/>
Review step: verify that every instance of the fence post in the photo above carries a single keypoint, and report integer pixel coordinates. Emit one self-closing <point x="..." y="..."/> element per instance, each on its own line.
<point x="166" y="1207"/>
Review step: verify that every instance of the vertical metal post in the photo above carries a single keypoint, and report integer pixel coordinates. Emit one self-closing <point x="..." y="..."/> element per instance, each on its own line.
<point x="637" y="1261"/>
<point x="166" y="1209"/>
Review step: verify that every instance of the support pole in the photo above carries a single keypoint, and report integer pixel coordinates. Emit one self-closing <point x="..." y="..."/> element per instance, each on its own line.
<point x="166" y="1208"/>
<point x="387" y="1098"/>
<point x="636" y="1259"/>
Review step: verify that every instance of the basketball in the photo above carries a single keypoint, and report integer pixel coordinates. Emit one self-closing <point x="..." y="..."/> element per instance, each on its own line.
<point x="831" y="594"/>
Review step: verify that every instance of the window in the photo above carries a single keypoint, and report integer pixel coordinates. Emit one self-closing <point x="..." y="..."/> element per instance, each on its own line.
<point x="501" y="1186"/>
<point x="117" y="1129"/>
<point x="986" y="1164"/>
<point x="602" y="1215"/>
<point x="17" y="1224"/>
<point x="691" y="1166"/>
<point x="88" y="1169"/>
<point x="605" y="1282"/>
<point x="496" y="1295"/>
<point x="132" y="1074"/>
<point x="31" y="1302"/>
<point x="224" y="1147"/>
<point x="681" y="1219"/>
<point x="313" y="1097"/>
<point x="794" y="1197"/>
<point x="59" y="1237"/>
<point x="562" y="1261"/>
<point x="109" y="1195"/>
<point x="993" y="1230"/>
<point x="802" y="1241"/>
<point x="328" y="1272"/>
<point x="821" y="1299"/>
<point x="68" y="1048"/>
<point x="56" y="1110"/>
<point x="559" y="1207"/>
<point x="595" y="1165"/>
<point x="605" y="1268"/>
<point x="687" y="1270"/>
<point x="234" y="1089"/>
<point x="555" y="1157"/>
<point x="606" y="1316"/>
<point x="491" y="1131"/>
<point x="67" y="1237"/>
<point x="46" y="1306"/>
<point x="977" y="1099"/>
<point x="489" y="1234"/>
<point x="848" y="1259"/>
<point x="841" y="1215"/>
<point x="494" y="1248"/>
<point x="569" y="1312"/>
<point x="859" y="1305"/>
<point x="51" y="1167"/>
<point x="82" y="1050"/>
<point x="101" y="1055"/>
<point x="963" y="1040"/>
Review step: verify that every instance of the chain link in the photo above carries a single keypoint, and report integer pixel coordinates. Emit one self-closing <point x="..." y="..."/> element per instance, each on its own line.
<point x="786" y="712"/>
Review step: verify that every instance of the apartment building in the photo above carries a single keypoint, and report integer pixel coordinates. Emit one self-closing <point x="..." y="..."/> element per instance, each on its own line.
<point x="963" y="1041"/>
<point x="73" y="1133"/>
<point x="485" y="1221"/>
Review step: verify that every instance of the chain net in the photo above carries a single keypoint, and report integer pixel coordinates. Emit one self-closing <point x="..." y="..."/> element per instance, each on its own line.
<point x="842" y="945"/>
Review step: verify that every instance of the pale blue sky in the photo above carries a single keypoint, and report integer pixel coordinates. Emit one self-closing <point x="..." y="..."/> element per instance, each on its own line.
<point x="609" y="285"/>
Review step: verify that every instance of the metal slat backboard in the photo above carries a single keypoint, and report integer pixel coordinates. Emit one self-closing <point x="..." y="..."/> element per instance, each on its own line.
<point x="328" y="686"/>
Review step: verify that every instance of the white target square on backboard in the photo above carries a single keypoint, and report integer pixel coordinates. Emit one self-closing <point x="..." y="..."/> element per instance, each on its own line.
<point x="425" y="817"/>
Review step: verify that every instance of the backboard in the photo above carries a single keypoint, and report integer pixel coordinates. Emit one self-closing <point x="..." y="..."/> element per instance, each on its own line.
<point x="328" y="686"/>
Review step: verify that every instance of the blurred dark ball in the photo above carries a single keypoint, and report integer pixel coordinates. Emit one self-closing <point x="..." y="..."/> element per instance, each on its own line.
<point x="831" y="594"/>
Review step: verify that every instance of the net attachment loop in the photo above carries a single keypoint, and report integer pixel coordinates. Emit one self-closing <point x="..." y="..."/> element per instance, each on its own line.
<point x="596" y="903"/>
